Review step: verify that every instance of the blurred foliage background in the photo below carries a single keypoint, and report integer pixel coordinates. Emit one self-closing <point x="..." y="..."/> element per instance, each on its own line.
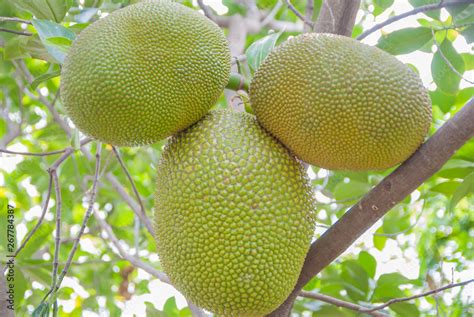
<point x="423" y="243"/>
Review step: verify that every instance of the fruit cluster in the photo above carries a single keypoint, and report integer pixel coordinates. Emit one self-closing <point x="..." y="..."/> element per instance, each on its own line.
<point x="234" y="210"/>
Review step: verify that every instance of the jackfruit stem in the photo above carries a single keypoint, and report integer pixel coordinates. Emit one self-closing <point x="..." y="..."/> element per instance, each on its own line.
<point x="237" y="82"/>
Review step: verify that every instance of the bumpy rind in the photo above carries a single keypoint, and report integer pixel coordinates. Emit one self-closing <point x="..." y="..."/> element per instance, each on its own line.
<point x="144" y="72"/>
<point x="234" y="215"/>
<point x="340" y="104"/>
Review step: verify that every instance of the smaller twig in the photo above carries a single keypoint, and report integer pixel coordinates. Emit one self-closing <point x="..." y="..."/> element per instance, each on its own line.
<point x="421" y="9"/>
<point x="58" y="233"/>
<point x="83" y="142"/>
<point x="13" y="19"/>
<point x="404" y="299"/>
<point x="272" y="14"/>
<point x="238" y="59"/>
<point x="141" y="214"/>
<point x="446" y="61"/>
<point x="87" y="215"/>
<point x="298" y="14"/>
<point x="207" y="11"/>
<point x="16" y="32"/>
<point x="133" y="260"/>
<point x="339" y="303"/>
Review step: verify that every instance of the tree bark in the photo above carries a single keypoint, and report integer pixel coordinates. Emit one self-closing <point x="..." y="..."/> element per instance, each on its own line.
<point x="337" y="17"/>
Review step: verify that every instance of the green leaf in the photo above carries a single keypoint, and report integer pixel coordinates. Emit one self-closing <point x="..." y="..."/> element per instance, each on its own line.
<point x="41" y="311"/>
<point x="446" y="188"/>
<point x="170" y="308"/>
<point x="260" y="49"/>
<point x="235" y="7"/>
<point x="185" y="312"/>
<point x="443" y="101"/>
<point x="54" y="10"/>
<point x="15" y="48"/>
<point x="432" y="14"/>
<point x="368" y="262"/>
<point x="462" y="14"/>
<point x="405" y="309"/>
<point x="352" y="190"/>
<point x="405" y="41"/>
<point x="55" y="37"/>
<point x="381" y="5"/>
<point x="468" y="60"/>
<point x="356" y="280"/>
<point x="466" y="187"/>
<point x="431" y="24"/>
<point x="151" y="311"/>
<point x="445" y="78"/>
<point x="44" y="77"/>
<point x="468" y="34"/>
<point x="86" y="15"/>
<point x="387" y="286"/>
<point x="42" y="235"/>
<point x="379" y="241"/>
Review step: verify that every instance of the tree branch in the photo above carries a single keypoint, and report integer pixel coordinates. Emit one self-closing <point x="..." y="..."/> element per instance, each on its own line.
<point x="58" y="234"/>
<point x="14" y="19"/>
<point x="142" y="215"/>
<point x="298" y="14"/>
<point x="429" y="158"/>
<point x="404" y="299"/>
<point x="134" y="261"/>
<point x="340" y="303"/>
<point x="16" y="32"/>
<point x="337" y="17"/>
<point x="207" y="11"/>
<point x="374" y="310"/>
<point x="421" y="9"/>
<point x="87" y="215"/>
<point x="83" y="142"/>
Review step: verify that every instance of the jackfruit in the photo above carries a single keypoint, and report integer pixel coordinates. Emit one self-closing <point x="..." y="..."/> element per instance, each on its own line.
<point x="234" y="215"/>
<point x="144" y="72"/>
<point x="340" y="104"/>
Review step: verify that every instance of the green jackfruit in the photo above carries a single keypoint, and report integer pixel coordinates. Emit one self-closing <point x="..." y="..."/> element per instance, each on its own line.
<point x="144" y="72"/>
<point x="340" y="104"/>
<point x="234" y="215"/>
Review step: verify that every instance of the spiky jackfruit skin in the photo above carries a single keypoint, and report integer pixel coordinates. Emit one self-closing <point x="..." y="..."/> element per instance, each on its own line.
<point x="144" y="72"/>
<point x="340" y="104"/>
<point x="234" y="215"/>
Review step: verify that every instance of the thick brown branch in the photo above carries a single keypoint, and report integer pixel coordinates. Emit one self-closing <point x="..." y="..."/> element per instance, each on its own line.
<point x="429" y="158"/>
<point x="340" y="303"/>
<point x="426" y="8"/>
<point x="337" y="17"/>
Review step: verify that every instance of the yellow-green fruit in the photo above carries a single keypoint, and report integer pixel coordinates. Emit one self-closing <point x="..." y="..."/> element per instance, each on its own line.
<point x="144" y="72"/>
<point x="340" y="104"/>
<point x="234" y="215"/>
